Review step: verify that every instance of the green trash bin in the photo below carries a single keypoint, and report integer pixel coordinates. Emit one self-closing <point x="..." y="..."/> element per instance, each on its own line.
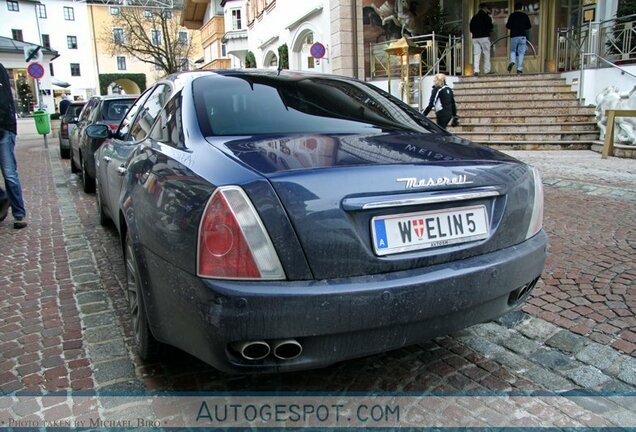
<point x="42" y="121"/>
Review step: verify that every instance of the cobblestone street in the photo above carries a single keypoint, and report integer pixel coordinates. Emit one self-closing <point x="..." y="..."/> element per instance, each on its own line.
<point x="64" y="322"/>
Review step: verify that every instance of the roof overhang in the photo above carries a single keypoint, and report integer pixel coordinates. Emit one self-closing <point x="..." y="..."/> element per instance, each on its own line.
<point x="8" y="45"/>
<point x="193" y="13"/>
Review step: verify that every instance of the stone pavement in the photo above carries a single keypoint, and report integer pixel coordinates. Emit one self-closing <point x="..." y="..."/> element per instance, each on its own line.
<point x="64" y="322"/>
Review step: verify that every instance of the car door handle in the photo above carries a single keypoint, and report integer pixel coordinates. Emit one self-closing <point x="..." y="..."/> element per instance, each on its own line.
<point x="107" y="159"/>
<point x="121" y="170"/>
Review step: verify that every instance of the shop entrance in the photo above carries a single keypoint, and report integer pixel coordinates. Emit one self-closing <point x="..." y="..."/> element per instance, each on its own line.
<point x="537" y="41"/>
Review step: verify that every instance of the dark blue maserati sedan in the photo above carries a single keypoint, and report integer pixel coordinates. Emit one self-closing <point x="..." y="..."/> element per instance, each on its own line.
<point x="275" y="221"/>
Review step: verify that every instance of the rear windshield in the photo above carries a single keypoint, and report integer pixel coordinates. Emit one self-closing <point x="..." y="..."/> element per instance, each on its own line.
<point x="256" y="105"/>
<point x="116" y="109"/>
<point x="74" y="110"/>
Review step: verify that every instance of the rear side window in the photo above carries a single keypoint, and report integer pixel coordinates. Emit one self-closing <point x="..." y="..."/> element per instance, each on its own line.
<point x="256" y="104"/>
<point x="149" y="112"/>
<point x="75" y="110"/>
<point x="126" y="123"/>
<point x="115" y="110"/>
<point x="86" y="111"/>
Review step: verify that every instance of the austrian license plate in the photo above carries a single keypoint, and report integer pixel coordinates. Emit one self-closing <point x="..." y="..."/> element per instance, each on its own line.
<point x="429" y="229"/>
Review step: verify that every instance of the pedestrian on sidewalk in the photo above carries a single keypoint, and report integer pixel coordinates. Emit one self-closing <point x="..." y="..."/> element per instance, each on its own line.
<point x="64" y="104"/>
<point x="8" y="129"/>
<point x="480" y="27"/>
<point x="519" y="25"/>
<point x="443" y="100"/>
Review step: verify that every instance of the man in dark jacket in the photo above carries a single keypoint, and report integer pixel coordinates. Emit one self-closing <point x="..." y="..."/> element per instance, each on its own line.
<point x="519" y="26"/>
<point x="8" y="128"/>
<point x="480" y="28"/>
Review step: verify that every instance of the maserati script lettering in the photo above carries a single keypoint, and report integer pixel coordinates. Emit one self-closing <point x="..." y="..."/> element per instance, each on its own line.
<point x="414" y="183"/>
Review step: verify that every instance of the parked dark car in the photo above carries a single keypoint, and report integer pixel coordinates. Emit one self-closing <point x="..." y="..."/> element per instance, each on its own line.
<point x="67" y="124"/>
<point x="275" y="222"/>
<point x="106" y="110"/>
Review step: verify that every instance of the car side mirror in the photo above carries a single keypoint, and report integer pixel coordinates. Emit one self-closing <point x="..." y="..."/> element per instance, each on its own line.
<point x="98" y="131"/>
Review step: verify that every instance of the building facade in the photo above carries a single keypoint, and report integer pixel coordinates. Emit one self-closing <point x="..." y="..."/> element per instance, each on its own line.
<point x="60" y="26"/>
<point x="121" y="72"/>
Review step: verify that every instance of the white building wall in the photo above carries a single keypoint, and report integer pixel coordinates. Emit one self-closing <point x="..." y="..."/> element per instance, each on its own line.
<point x="597" y="80"/>
<point x="24" y="19"/>
<point x="58" y="29"/>
<point x="288" y="23"/>
<point x="54" y="25"/>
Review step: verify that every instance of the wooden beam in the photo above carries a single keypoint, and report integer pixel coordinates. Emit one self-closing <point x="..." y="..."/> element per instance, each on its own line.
<point x="608" y="147"/>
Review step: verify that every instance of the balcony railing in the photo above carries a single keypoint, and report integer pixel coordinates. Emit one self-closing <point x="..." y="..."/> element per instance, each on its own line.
<point x="596" y="43"/>
<point x="441" y="54"/>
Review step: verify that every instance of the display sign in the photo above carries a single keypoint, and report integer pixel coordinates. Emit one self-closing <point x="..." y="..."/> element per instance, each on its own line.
<point x="35" y="70"/>
<point x="318" y="50"/>
<point x="33" y="54"/>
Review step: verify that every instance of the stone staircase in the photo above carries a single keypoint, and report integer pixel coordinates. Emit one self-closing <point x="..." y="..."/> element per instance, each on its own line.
<point x="525" y="112"/>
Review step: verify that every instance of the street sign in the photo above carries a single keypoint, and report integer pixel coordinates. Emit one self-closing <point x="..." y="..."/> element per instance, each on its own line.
<point x="33" y="54"/>
<point x="318" y="50"/>
<point x="35" y="70"/>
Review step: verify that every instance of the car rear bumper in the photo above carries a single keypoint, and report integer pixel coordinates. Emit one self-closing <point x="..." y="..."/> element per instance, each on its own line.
<point x="337" y="319"/>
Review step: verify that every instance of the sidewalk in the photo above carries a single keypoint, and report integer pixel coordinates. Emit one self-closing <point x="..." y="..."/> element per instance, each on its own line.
<point x="64" y="322"/>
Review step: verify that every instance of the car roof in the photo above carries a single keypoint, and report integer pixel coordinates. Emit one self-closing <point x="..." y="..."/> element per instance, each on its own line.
<point x="115" y="97"/>
<point x="188" y="76"/>
<point x="78" y="103"/>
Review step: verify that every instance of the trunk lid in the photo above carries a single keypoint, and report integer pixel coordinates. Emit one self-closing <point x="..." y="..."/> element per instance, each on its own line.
<point x="338" y="189"/>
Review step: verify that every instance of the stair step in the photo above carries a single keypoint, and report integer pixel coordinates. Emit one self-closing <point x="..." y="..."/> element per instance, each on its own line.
<point x="528" y="85"/>
<point x="512" y="90"/>
<point x="538" y="145"/>
<point x="512" y="77"/>
<point x="524" y="127"/>
<point x="523" y="111"/>
<point x="520" y="104"/>
<point x="512" y="97"/>
<point x="527" y="119"/>
<point x="530" y="136"/>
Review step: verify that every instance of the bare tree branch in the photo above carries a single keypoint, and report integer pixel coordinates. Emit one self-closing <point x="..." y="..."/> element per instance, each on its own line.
<point x="165" y="51"/>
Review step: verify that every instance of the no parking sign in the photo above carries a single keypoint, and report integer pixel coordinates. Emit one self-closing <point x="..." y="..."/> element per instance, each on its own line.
<point x="318" y="50"/>
<point x="36" y="70"/>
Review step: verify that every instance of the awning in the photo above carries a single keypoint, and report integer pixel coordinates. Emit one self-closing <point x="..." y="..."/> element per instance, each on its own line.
<point x="59" y="83"/>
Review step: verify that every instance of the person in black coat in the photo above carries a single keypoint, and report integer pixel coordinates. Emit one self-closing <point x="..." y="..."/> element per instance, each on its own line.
<point x="443" y="100"/>
<point x="480" y="27"/>
<point x="519" y="25"/>
<point x="8" y="129"/>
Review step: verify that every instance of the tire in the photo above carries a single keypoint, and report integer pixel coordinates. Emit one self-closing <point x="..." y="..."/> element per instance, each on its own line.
<point x="74" y="168"/>
<point x="147" y="347"/>
<point x="101" y="214"/>
<point x="87" y="181"/>
<point x="65" y="153"/>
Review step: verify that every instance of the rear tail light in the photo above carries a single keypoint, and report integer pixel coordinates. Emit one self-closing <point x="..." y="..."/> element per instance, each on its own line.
<point x="536" y="221"/>
<point x="233" y="243"/>
<point x="64" y="130"/>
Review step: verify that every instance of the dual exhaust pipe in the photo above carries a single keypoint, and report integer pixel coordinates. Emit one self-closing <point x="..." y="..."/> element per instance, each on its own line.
<point x="284" y="349"/>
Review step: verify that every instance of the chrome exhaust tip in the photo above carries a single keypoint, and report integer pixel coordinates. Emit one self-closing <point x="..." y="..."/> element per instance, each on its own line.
<point x="252" y="350"/>
<point x="286" y="349"/>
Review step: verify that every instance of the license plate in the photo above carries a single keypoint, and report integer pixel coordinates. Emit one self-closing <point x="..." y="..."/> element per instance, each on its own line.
<point x="429" y="229"/>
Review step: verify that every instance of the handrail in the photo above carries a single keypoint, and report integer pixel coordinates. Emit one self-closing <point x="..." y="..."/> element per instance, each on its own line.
<point x="582" y="69"/>
<point x="625" y="71"/>
<point x="534" y="51"/>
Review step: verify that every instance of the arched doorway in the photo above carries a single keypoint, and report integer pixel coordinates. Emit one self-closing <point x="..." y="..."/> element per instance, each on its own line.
<point x="271" y="60"/>
<point x="302" y="58"/>
<point x="123" y="86"/>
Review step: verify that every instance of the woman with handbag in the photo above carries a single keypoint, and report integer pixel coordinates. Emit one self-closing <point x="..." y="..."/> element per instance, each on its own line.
<point x="443" y="100"/>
